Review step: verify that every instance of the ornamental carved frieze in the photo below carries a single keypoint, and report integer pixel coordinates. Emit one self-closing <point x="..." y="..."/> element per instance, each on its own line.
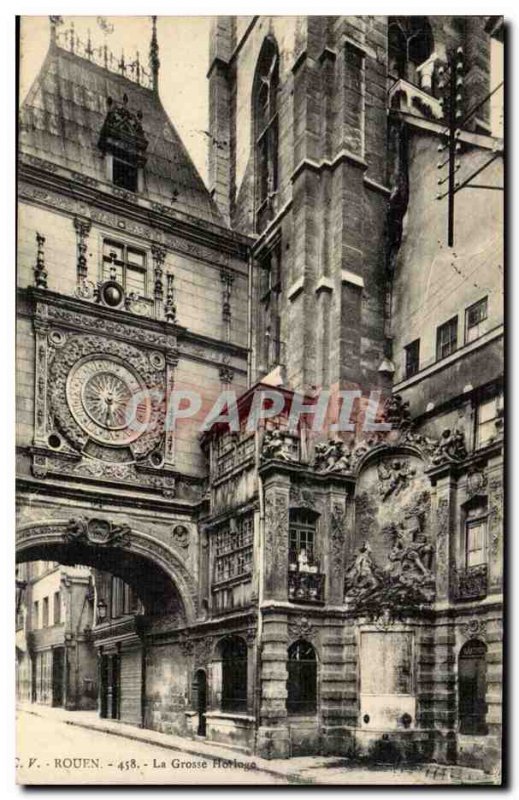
<point x="475" y="628"/>
<point x="99" y="532"/>
<point x="276" y="526"/>
<point x="442" y="544"/>
<point x="337" y="537"/>
<point x="109" y="471"/>
<point x="203" y="650"/>
<point x="477" y="481"/>
<point x="105" y="325"/>
<point x="301" y="628"/>
<point x="495" y="491"/>
<point x="109" y="393"/>
<point x="214" y="257"/>
<point x="302" y="496"/>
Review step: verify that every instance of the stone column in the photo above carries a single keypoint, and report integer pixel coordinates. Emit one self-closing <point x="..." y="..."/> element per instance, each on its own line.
<point x="275" y="537"/>
<point x="446" y="549"/>
<point x="273" y="739"/>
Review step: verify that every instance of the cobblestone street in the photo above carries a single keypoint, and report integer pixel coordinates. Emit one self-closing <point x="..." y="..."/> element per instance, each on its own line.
<point x="68" y="747"/>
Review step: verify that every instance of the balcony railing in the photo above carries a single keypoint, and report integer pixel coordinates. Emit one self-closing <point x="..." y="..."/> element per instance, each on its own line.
<point x="472" y="583"/>
<point x="306" y="587"/>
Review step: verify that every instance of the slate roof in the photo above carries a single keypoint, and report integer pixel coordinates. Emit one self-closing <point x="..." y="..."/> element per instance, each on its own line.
<point x="62" y="116"/>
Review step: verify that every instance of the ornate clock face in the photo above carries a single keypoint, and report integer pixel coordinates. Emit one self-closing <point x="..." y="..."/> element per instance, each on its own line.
<point x="108" y="400"/>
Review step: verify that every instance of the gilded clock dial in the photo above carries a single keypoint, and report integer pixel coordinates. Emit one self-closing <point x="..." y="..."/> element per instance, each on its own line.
<point x="108" y="400"/>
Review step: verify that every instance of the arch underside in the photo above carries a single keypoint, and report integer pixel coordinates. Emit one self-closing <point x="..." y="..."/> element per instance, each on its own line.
<point x="154" y="572"/>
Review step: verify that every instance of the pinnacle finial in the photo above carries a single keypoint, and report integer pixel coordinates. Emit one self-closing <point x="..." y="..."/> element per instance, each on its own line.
<point x="55" y="22"/>
<point x="154" y="55"/>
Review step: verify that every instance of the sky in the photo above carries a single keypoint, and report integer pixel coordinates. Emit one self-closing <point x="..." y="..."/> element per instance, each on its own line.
<point x="184" y="60"/>
<point x="184" y="57"/>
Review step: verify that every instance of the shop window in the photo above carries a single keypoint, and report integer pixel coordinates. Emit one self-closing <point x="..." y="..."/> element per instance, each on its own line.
<point x="447" y="339"/>
<point x="127" y="265"/>
<point x="472" y="687"/>
<point x="412" y="358"/>
<point x="234" y="674"/>
<point x="475" y="319"/>
<point x="302" y="678"/>
<point x="266" y="132"/>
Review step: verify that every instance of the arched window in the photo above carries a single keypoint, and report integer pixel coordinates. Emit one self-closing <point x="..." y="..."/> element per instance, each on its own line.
<point x="472" y="687"/>
<point x="266" y="132"/>
<point x="410" y="44"/>
<point x="302" y="678"/>
<point x="234" y="674"/>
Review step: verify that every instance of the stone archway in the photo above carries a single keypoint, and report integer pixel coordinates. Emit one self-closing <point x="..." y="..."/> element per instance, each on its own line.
<point x="141" y="560"/>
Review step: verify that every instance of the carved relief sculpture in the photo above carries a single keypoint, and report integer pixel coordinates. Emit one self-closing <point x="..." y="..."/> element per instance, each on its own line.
<point x="277" y="445"/>
<point x="394" y="477"/>
<point x="451" y="448"/>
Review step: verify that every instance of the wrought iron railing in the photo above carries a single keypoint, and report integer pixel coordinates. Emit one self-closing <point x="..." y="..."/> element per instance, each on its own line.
<point x="472" y="583"/>
<point x="68" y="40"/>
<point x="306" y="587"/>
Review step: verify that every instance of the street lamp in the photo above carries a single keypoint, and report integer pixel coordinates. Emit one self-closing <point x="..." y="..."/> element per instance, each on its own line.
<point x="101" y="610"/>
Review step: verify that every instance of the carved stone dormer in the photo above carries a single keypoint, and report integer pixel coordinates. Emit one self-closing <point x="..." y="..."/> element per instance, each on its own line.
<point x="122" y="129"/>
<point x="123" y="143"/>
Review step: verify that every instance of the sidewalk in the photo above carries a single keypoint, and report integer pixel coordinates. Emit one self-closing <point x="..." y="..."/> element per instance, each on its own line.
<point x="302" y="769"/>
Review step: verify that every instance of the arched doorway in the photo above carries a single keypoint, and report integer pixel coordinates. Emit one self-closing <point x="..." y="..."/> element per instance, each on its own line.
<point x="472" y="687"/>
<point x="302" y="678"/>
<point x="200" y="700"/>
<point x="104" y="660"/>
<point x="156" y="572"/>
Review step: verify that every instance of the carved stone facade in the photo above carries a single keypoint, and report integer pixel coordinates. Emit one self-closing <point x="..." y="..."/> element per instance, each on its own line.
<point x="362" y="556"/>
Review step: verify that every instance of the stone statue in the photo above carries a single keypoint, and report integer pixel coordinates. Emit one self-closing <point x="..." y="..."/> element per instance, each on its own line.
<point x="362" y="574"/>
<point x="394" y="477"/>
<point x="332" y="456"/>
<point x="275" y="445"/>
